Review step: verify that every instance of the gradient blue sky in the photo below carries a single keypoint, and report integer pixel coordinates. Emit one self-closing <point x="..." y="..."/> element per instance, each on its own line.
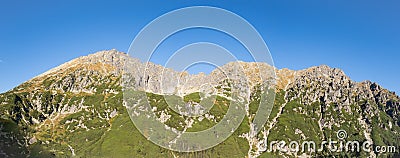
<point x="362" y="37"/>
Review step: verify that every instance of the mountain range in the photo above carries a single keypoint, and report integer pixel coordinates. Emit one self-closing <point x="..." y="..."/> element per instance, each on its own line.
<point x="77" y="110"/>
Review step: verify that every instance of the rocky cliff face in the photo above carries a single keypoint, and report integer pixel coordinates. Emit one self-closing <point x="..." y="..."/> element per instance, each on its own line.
<point x="330" y="86"/>
<point x="76" y="109"/>
<point x="342" y="102"/>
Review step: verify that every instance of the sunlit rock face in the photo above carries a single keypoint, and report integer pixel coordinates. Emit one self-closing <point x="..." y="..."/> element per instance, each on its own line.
<point x="76" y="109"/>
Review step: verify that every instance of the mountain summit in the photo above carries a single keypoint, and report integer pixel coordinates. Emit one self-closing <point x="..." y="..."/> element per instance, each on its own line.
<point x="76" y="109"/>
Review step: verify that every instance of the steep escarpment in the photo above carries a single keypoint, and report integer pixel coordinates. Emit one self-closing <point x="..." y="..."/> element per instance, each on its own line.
<point x="76" y="109"/>
<point x="322" y="100"/>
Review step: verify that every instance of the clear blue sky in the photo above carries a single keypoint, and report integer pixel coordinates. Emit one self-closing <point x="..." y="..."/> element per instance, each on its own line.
<point x="362" y="37"/>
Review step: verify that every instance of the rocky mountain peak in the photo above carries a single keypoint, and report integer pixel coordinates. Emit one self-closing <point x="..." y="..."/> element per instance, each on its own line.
<point x="68" y="108"/>
<point x="111" y="63"/>
<point x="315" y="84"/>
<point x="324" y="71"/>
<point x="80" y="74"/>
<point x="112" y="57"/>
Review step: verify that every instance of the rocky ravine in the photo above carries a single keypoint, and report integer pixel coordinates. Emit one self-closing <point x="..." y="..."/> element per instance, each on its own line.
<point x="79" y="104"/>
